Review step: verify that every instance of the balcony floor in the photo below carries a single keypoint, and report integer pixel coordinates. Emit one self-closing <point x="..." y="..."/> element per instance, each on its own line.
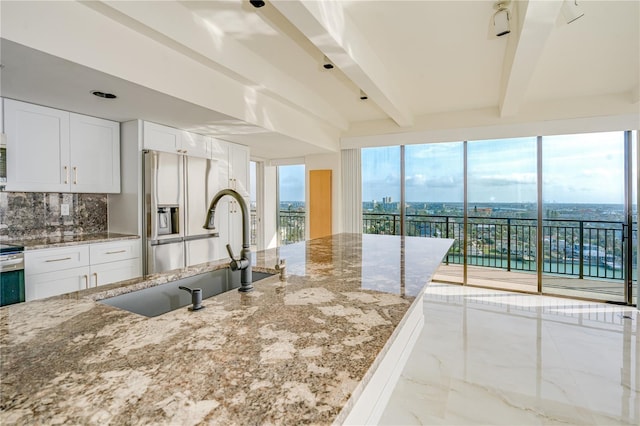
<point x="494" y="357"/>
<point x="604" y="290"/>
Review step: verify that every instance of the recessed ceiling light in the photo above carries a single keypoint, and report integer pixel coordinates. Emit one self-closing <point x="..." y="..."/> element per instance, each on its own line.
<point x="256" y="3"/>
<point x="104" y="95"/>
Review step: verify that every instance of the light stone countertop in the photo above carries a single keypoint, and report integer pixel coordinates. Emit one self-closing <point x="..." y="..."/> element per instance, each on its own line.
<point x="290" y="352"/>
<point x="70" y="240"/>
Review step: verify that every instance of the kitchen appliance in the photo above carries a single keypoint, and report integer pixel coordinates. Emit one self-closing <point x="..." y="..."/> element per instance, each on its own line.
<point x="177" y="189"/>
<point x="11" y="274"/>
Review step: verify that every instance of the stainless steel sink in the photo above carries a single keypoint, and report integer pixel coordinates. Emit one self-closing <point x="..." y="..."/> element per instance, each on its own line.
<point x="154" y="301"/>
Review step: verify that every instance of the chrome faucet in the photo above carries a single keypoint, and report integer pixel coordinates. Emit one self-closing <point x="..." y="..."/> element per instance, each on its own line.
<point x="244" y="263"/>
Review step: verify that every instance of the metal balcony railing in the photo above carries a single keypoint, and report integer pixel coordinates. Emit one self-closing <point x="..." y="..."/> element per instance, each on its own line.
<point x="291" y="226"/>
<point x="582" y="248"/>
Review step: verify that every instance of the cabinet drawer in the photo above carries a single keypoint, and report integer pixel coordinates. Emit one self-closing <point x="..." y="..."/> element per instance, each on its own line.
<point x="114" y="251"/>
<point x="56" y="259"/>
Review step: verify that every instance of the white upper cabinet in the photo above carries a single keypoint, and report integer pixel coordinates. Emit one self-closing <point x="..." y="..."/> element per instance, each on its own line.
<point x="168" y="139"/>
<point x="37" y="147"/>
<point x="50" y="150"/>
<point x="239" y="169"/>
<point x="95" y="155"/>
<point x="195" y="145"/>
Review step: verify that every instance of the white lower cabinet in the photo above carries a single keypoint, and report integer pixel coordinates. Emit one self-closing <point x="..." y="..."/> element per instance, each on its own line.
<point x="53" y="283"/>
<point x="50" y="272"/>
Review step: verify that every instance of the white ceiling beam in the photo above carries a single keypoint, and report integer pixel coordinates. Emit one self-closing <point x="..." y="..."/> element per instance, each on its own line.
<point x="334" y="33"/>
<point x="187" y="32"/>
<point x="536" y="20"/>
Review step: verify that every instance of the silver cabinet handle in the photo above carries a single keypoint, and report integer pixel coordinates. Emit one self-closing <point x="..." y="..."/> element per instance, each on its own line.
<point x="75" y="175"/>
<point x="86" y="281"/>
<point x="115" y="252"/>
<point x="66" y="174"/>
<point x="95" y="274"/>
<point x="58" y="260"/>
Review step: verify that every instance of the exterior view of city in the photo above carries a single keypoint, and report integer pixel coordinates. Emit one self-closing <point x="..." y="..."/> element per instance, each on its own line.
<point x="583" y="240"/>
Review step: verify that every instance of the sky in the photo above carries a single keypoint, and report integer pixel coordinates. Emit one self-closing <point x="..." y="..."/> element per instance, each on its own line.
<point x="586" y="168"/>
<point x="291" y="185"/>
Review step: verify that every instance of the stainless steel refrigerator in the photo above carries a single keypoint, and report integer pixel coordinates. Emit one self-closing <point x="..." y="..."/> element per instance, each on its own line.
<point x="177" y="190"/>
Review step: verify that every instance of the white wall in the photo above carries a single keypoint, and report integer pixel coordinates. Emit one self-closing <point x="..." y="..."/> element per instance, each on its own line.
<point x="326" y="162"/>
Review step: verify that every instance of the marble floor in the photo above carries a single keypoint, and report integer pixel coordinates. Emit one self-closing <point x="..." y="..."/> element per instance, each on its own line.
<point x="490" y="357"/>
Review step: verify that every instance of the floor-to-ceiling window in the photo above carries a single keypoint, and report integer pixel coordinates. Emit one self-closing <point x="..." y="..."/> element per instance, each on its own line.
<point x="291" y="203"/>
<point x="502" y="213"/>
<point x="584" y="215"/>
<point x="556" y="214"/>
<point x="381" y="186"/>
<point x="434" y="192"/>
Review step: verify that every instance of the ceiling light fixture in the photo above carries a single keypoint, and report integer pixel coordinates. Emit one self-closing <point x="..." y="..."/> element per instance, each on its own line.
<point x="256" y="3"/>
<point x="327" y="64"/>
<point x="501" y="19"/>
<point x="571" y="10"/>
<point x="104" y="95"/>
<point x="363" y="96"/>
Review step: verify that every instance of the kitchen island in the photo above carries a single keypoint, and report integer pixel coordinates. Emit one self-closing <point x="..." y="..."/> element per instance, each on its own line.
<point x="300" y="350"/>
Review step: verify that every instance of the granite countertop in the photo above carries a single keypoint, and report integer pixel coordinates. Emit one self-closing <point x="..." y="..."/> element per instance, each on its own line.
<point x="70" y="240"/>
<point x="290" y="352"/>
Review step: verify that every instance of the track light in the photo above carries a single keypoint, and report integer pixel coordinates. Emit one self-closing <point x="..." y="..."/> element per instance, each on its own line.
<point x="571" y="10"/>
<point x="257" y="3"/>
<point x="501" y="19"/>
<point x="363" y="96"/>
<point x="327" y="64"/>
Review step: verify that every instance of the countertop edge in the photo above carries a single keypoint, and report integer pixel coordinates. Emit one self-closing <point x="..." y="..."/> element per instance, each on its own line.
<point x="41" y="243"/>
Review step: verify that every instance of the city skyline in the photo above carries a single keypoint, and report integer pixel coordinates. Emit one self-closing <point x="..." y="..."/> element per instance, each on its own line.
<point x="578" y="169"/>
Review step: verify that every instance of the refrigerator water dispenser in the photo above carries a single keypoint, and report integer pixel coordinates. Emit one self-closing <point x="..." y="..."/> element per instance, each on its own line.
<point x="167" y="221"/>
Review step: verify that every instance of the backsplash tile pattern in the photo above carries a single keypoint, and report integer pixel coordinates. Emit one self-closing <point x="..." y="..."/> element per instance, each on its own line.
<point x="26" y="215"/>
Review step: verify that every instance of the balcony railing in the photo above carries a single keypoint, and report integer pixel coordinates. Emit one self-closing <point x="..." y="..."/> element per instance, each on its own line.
<point x="582" y="248"/>
<point x="291" y="226"/>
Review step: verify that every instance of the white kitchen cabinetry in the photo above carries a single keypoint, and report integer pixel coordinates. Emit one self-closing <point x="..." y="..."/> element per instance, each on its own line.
<point x="168" y="139"/>
<point x="239" y="169"/>
<point x="50" y="150"/>
<point x="50" y="272"/>
<point x="234" y="170"/>
<point x="37" y="147"/>
<point x="95" y="154"/>
<point x="114" y="261"/>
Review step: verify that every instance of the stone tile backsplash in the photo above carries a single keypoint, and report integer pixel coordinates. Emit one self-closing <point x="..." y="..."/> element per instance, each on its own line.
<point x="26" y="215"/>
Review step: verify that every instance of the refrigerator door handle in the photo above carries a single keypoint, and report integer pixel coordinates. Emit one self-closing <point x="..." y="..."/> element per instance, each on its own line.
<point x="166" y="241"/>
<point x="154" y="193"/>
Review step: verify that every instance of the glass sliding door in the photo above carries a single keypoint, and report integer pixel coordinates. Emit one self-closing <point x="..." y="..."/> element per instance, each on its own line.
<point x="291" y="204"/>
<point x="502" y="213"/>
<point x="584" y="219"/>
<point x="434" y="192"/>
<point x="635" y="158"/>
<point x="381" y="190"/>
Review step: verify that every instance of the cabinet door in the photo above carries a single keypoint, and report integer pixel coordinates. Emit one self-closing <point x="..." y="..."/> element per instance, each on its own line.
<point x="162" y="138"/>
<point x="95" y="154"/>
<point x="195" y="145"/>
<point x="239" y="168"/>
<point x="37" y="147"/>
<point x="219" y="149"/>
<point x="107" y="273"/>
<point x="54" y="283"/>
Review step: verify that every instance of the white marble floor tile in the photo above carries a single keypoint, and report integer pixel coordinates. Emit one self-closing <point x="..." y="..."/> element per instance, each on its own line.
<point x="490" y="357"/>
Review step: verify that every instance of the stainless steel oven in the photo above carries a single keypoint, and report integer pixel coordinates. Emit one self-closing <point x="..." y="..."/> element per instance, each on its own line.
<point x="11" y="274"/>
